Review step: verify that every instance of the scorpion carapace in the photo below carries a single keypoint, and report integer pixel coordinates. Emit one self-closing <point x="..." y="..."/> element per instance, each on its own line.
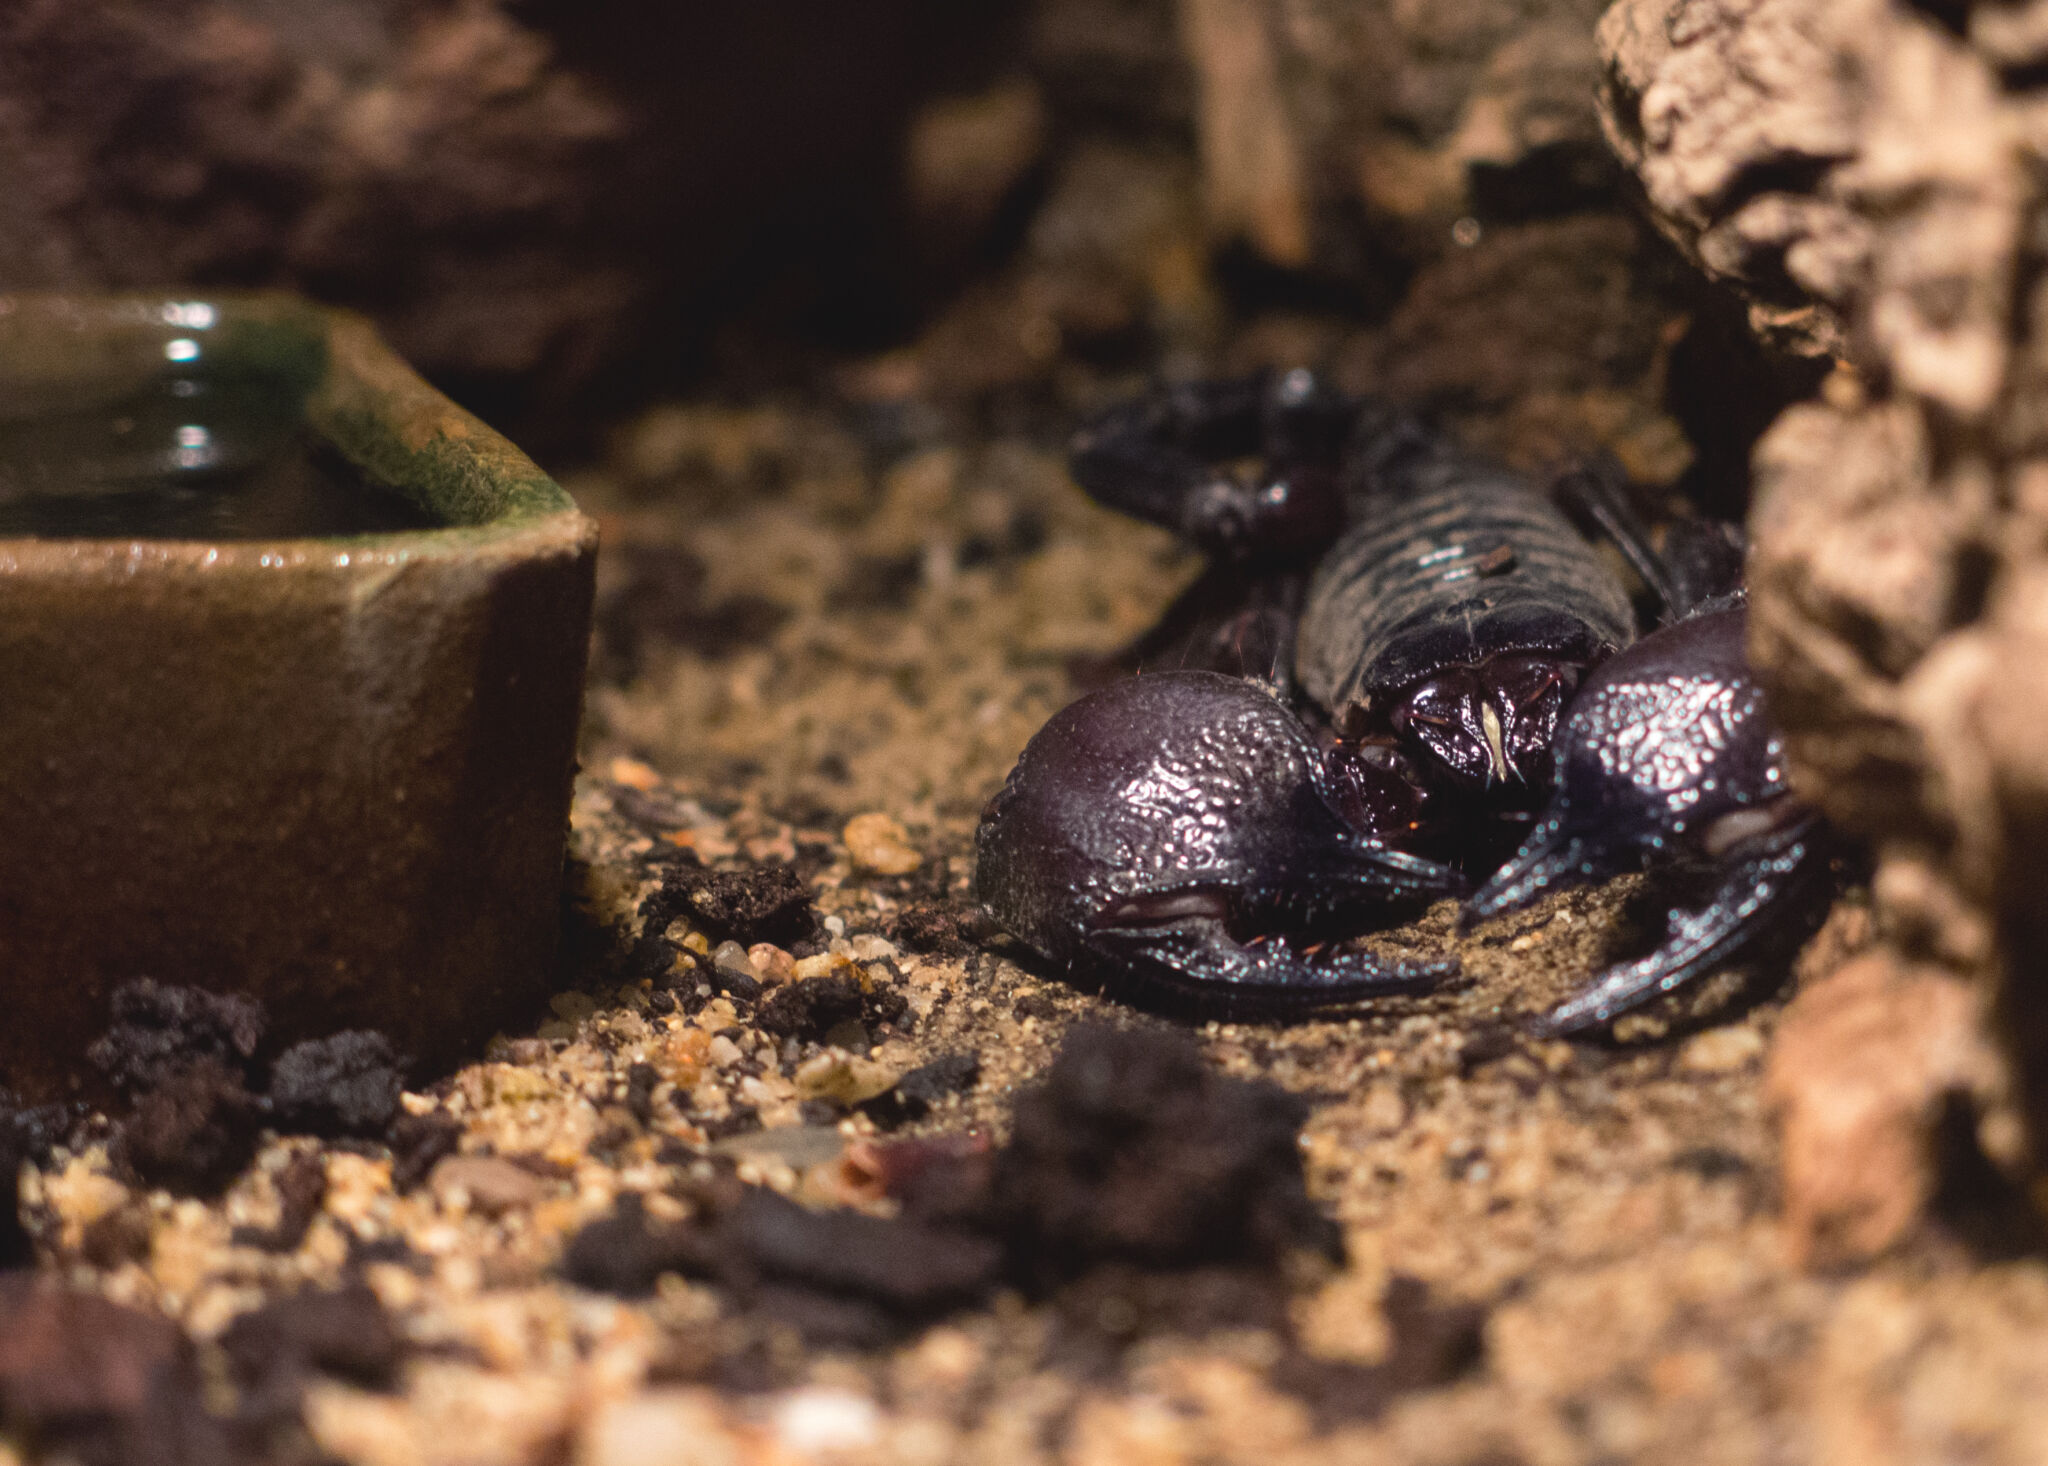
<point x="1666" y="758"/>
<point x="1164" y="831"/>
<point x="1455" y="615"/>
<point x="1181" y="837"/>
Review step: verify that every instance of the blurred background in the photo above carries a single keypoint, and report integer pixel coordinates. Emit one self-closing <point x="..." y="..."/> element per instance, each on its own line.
<point x="563" y="211"/>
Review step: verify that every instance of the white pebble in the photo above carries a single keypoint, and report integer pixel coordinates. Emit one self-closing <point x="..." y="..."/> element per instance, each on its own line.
<point x="811" y="1422"/>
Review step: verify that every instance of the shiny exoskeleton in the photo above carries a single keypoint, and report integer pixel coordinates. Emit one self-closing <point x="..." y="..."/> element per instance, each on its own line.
<point x="1184" y="835"/>
<point x="1666" y="758"/>
<point x="1154" y="832"/>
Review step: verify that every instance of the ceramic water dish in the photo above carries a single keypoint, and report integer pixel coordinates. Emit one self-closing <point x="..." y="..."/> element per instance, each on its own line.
<point x="291" y="660"/>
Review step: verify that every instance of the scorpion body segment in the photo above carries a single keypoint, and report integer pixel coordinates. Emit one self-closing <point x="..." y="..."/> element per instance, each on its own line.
<point x="1181" y="834"/>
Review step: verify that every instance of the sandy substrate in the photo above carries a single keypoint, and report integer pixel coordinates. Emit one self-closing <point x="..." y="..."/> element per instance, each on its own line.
<point x="826" y="628"/>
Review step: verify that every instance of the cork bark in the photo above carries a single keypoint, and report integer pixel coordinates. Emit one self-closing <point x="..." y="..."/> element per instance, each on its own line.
<point x="1334" y="134"/>
<point x="1867" y="176"/>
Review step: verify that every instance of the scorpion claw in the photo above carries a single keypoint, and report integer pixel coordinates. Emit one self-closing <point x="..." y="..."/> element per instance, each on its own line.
<point x="1552" y="859"/>
<point x="1773" y="877"/>
<point x="1197" y="964"/>
<point x="1153" y="827"/>
<point x="1666" y="759"/>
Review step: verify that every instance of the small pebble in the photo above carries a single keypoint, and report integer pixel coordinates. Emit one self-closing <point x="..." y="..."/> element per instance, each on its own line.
<point x="773" y="965"/>
<point x="1721" y="1050"/>
<point x="634" y="774"/>
<point x="1384" y="1108"/>
<point x="822" y="1418"/>
<point x="660" y="1428"/>
<point x="878" y="843"/>
<point x="732" y="957"/>
<point x="487" y="1184"/>
<point x="800" y="1147"/>
<point x="852" y="1035"/>
<point x="844" y="1078"/>
<point x="573" y="1007"/>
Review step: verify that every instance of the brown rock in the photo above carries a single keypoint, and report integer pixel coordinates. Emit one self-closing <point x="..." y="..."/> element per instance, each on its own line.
<point x="1862" y="1063"/>
<point x="1864" y="175"/>
<point x="66" y="1356"/>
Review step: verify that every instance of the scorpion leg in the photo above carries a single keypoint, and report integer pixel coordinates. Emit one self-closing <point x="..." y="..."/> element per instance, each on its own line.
<point x="1597" y="490"/>
<point x="1197" y="965"/>
<point x="1226" y="621"/>
<point x="1700" y="560"/>
<point x="1770" y="883"/>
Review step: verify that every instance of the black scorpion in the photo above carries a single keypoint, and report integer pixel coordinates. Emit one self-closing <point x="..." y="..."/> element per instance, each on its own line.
<point x="1470" y="672"/>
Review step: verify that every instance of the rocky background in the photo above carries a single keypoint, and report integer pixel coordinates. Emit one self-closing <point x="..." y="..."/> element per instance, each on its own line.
<point x="805" y="1163"/>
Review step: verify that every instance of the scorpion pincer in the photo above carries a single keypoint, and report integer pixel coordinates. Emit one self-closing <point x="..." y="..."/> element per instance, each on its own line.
<point x="1456" y="649"/>
<point x="1667" y="759"/>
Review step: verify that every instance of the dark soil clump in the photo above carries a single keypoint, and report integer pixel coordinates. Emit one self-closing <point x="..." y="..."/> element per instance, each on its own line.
<point x="417" y="1142"/>
<point x="626" y="1252"/>
<point x="1132" y="1157"/>
<point x="936" y="929"/>
<point x="921" y="1090"/>
<point x="1134" y="1150"/>
<point x="811" y="1009"/>
<point x="1431" y="1344"/>
<point x="910" y="1269"/>
<point x="301" y="1187"/>
<point x="344" y="1332"/>
<point x="768" y="904"/>
<point x="193" y="1133"/>
<point x="345" y="1084"/>
<point x="159" y="1030"/>
<point x="837" y="1276"/>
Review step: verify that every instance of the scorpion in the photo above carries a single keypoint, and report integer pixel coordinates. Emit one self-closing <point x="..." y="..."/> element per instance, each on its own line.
<point x="1423" y="674"/>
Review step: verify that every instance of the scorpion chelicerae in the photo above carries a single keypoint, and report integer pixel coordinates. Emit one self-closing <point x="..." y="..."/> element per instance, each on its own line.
<point x="1445" y="669"/>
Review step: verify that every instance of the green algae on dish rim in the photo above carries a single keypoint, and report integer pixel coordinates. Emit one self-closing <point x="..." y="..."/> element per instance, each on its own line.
<point x="237" y="418"/>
